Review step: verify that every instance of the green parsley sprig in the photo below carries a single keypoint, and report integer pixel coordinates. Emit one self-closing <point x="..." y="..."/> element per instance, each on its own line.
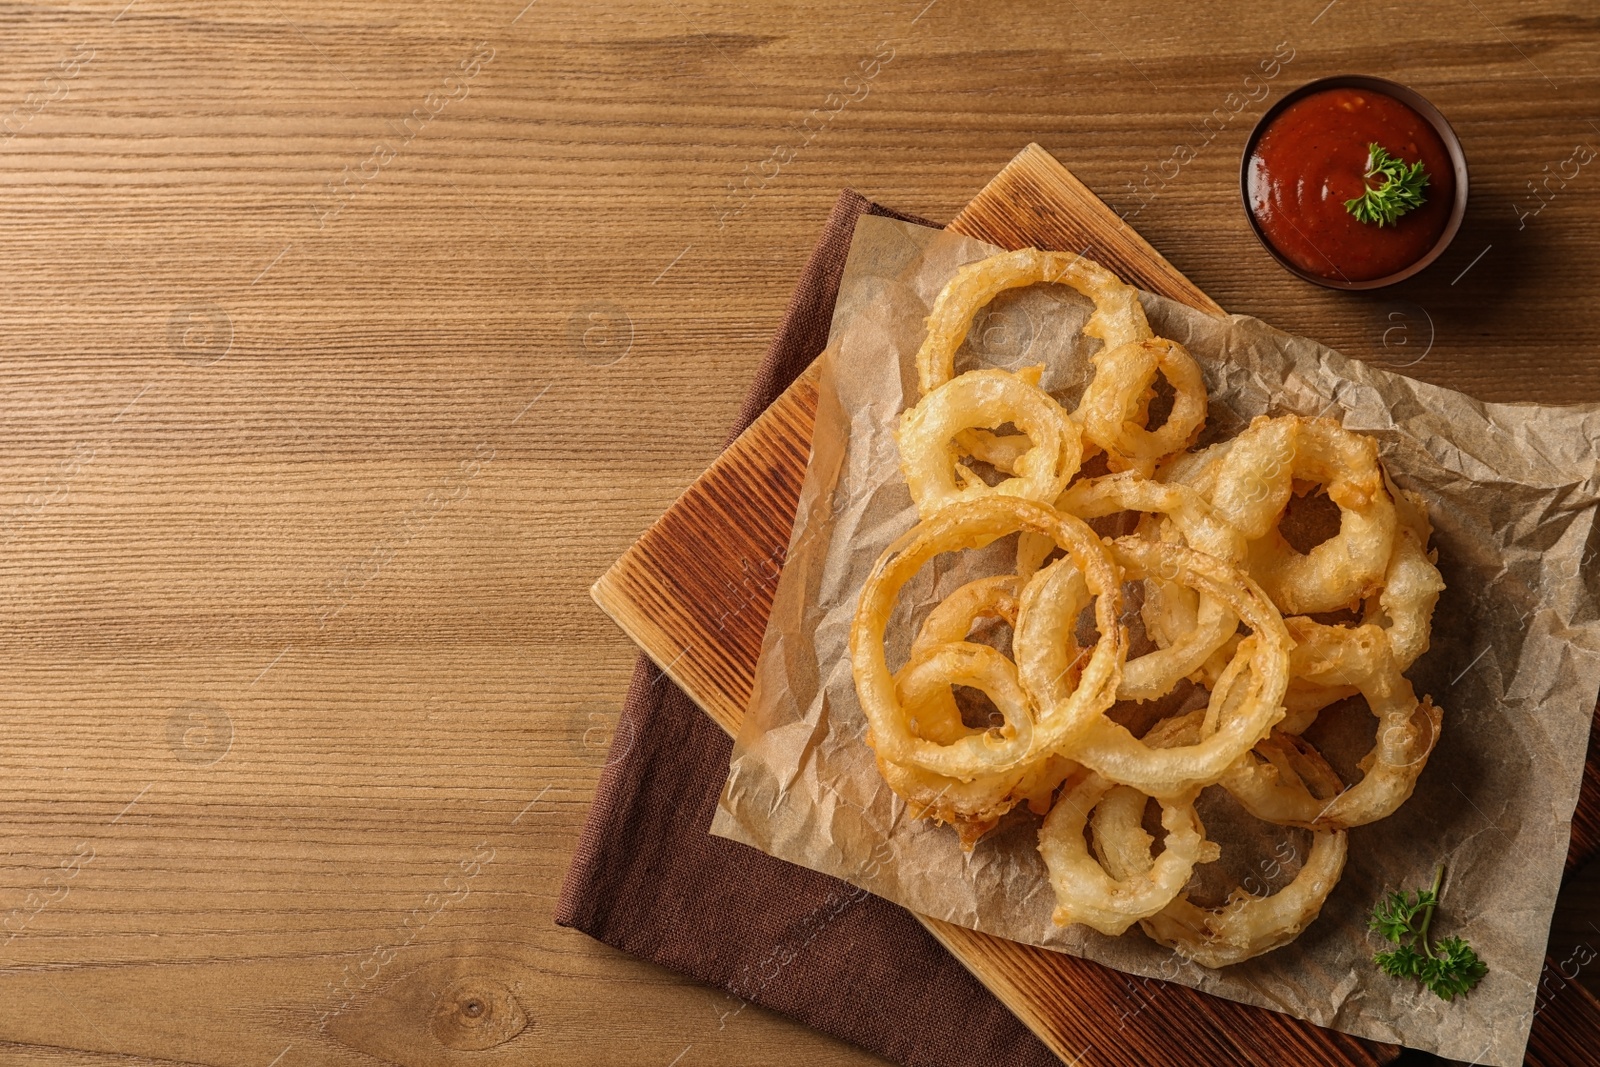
<point x="1448" y="966"/>
<point x="1400" y="192"/>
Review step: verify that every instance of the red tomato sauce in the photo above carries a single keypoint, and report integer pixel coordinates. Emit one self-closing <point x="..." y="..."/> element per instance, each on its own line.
<point x="1313" y="157"/>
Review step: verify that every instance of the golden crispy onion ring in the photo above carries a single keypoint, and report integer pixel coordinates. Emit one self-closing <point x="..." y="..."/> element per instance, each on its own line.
<point x="1328" y="660"/>
<point x="1411" y="584"/>
<point x="1245" y="704"/>
<point x="1085" y="892"/>
<point x="1112" y="411"/>
<point x="1248" y="924"/>
<point x="1328" y="656"/>
<point x="1208" y="622"/>
<point x="1408" y="728"/>
<point x="986" y="398"/>
<point x="973" y="808"/>
<point x="1117" y="320"/>
<point x="974" y="525"/>
<point x="987" y="670"/>
<point x="1003" y="452"/>
<point x="936" y="716"/>
<point x="1304" y="701"/>
<point x="1249" y="483"/>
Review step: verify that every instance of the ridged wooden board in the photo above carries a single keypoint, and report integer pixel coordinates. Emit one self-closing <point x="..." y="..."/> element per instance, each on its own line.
<point x="695" y="591"/>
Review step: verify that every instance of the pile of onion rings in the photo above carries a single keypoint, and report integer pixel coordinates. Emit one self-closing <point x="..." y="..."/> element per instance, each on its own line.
<point x="1229" y="608"/>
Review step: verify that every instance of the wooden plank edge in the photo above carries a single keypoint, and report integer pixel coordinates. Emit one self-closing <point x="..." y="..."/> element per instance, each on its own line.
<point x="1034" y="163"/>
<point x="611" y="591"/>
<point x="645" y="633"/>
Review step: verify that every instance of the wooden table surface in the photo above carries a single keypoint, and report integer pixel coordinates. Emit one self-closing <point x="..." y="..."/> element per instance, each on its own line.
<point x="343" y="346"/>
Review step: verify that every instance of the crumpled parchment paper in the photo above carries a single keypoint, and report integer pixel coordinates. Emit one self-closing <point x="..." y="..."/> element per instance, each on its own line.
<point x="1515" y="661"/>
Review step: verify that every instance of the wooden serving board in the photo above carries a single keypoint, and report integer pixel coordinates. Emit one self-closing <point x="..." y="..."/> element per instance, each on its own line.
<point x="696" y="589"/>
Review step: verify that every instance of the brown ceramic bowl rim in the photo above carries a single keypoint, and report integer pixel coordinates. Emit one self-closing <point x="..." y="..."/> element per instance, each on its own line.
<point x="1407" y="96"/>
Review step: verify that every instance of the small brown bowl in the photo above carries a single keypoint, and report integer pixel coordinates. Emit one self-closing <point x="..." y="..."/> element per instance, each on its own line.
<point x="1416" y="102"/>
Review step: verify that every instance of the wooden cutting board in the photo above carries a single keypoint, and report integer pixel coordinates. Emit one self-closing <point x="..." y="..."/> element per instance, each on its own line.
<point x="695" y="591"/>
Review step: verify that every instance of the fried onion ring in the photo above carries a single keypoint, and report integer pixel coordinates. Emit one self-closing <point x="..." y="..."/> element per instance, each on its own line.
<point x="1118" y="317"/>
<point x="1328" y="660"/>
<point x="1085" y="892"/>
<point x="973" y="808"/>
<point x="976" y="807"/>
<point x="1411" y="584"/>
<point x="1245" y="704"/>
<point x="1248" y="924"/>
<point x="1408" y="729"/>
<point x="985" y="398"/>
<point x="1010" y="747"/>
<point x="1112" y="409"/>
<point x="937" y="717"/>
<point x="1249" y="483"/>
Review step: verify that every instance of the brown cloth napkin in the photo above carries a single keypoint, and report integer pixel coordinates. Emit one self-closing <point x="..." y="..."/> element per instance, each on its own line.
<point x="648" y="878"/>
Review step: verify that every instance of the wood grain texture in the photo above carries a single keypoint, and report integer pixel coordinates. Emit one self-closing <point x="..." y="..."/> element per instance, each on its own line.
<point x="696" y="589"/>
<point x="697" y="552"/>
<point x="198" y="179"/>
